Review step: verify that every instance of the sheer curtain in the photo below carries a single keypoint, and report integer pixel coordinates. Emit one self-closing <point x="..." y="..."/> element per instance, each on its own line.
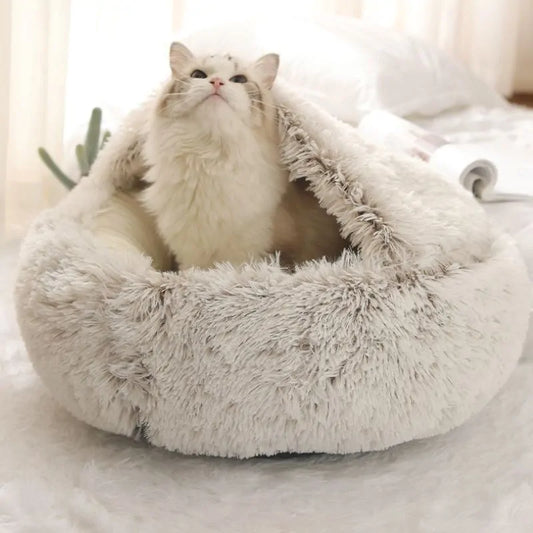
<point x="61" y="58"/>
<point x="33" y="68"/>
<point x="484" y="35"/>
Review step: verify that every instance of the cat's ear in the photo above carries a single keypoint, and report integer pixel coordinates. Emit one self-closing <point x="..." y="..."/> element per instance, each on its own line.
<point x="266" y="68"/>
<point x="179" y="56"/>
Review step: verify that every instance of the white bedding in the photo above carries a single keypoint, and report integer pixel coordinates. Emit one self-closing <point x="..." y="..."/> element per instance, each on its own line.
<point x="58" y="475"/>
<point x="505" y="136"/>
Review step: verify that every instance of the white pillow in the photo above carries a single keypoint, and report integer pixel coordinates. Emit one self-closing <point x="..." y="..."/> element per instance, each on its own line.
<point x="349" y="67"/>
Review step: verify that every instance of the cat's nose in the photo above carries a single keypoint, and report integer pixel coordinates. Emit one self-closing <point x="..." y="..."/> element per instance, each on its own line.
<point x="216" y="83"/>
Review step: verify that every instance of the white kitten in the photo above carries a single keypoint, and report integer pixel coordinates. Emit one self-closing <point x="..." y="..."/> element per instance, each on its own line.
<point x="212" y="151"/>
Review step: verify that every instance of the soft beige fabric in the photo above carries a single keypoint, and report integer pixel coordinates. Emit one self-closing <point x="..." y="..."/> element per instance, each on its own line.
<point x="404" y="338"/>
<point x="123" y="225"/>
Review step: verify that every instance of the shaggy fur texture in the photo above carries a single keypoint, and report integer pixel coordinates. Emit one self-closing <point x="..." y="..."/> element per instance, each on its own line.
<point x="58" y="475"/>
<point x="404" y="339"/>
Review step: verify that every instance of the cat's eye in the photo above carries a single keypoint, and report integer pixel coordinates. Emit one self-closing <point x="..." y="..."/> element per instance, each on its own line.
<point x="239" y="78"/>
<point x="198" y="74"/>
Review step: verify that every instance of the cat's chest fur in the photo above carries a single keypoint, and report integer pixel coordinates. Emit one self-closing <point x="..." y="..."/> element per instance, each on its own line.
<point x="214" y="201"/>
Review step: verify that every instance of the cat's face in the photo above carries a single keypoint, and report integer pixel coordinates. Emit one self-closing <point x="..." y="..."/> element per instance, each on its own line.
<point x="219" y="88"/>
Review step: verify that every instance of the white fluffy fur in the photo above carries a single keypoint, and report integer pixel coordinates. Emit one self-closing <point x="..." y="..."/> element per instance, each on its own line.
<point x="215" y="175"/>
<point x="405" y="339"/>
<point x="58" y="475"/>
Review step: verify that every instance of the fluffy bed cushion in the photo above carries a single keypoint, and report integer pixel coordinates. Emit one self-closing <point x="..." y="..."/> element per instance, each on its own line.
<point x="349" y="67"/>
<point x="407" y="335"/>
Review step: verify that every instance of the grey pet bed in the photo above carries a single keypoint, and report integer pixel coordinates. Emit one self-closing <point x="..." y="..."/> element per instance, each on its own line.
<point x="405" y="338"/>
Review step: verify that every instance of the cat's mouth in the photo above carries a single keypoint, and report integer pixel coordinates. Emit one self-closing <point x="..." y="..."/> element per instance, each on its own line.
<point x="215" y="99"/>
<point x="216" y="96"/>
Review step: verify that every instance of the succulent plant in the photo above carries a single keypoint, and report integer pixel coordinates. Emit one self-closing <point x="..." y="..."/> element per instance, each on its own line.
<point x="85" y="153"/>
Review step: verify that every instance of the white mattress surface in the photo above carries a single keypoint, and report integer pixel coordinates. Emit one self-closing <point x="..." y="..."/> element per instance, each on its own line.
<point x="505" y="136"/>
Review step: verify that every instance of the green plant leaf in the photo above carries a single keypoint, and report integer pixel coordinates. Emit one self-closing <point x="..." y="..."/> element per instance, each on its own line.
<point x="93" y="135"/>
<point x="105" y="138"/>
<point x="50" y="163"/>
<point x="81" y="155"/>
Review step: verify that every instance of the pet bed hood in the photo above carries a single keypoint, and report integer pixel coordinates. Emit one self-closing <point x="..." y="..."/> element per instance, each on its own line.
<point x="406" y="338"/>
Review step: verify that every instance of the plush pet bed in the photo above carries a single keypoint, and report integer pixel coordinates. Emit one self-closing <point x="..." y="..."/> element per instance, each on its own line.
<point x="405" y="336"/>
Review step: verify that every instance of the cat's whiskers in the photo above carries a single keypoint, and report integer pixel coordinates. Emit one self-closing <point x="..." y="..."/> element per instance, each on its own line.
<point x="261" y="110"/>
<point x="261" y="104"/>
<point x="177" y="94"/>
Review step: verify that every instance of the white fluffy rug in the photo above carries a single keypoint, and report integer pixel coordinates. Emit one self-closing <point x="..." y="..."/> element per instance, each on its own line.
<point x="58" y="475"/>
